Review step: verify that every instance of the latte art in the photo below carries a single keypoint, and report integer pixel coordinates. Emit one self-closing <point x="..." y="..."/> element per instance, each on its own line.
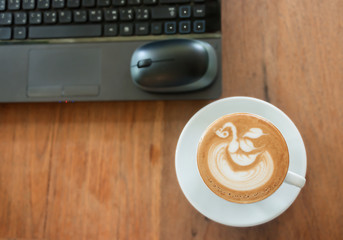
<point x="242" y="158"/>
<point x="248" y="179"/>
<point x="251" y="177"/>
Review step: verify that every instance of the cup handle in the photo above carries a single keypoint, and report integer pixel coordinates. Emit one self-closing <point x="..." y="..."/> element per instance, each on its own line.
<point x="295" y="179"/>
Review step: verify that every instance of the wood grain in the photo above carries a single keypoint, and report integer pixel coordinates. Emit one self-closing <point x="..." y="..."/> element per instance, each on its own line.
<point x="106" y="170"/>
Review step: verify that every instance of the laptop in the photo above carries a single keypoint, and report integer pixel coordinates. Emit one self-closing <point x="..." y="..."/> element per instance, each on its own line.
<point x="80" y="50"/>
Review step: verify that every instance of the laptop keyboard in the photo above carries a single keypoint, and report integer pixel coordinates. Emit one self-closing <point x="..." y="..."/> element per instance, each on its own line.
<point x="52" y="19"/>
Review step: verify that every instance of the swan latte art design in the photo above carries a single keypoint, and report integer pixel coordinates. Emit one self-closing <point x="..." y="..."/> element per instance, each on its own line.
<point x="242" y="158"/>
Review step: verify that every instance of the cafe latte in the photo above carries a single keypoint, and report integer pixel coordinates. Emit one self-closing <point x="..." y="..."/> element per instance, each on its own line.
<point x="242" y="158"/>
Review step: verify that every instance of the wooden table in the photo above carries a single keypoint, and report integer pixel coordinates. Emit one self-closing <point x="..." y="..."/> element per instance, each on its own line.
<point x="106" y="170"/>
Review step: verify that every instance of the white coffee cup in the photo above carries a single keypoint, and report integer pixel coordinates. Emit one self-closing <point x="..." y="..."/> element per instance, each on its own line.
<point x="217" y="208"/>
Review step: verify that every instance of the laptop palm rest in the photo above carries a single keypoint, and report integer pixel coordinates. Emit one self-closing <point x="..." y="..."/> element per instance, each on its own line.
<point x="64" y="72"/>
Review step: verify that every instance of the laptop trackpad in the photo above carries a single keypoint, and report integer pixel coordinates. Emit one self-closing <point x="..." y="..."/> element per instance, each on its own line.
<point x="64" y="72"/>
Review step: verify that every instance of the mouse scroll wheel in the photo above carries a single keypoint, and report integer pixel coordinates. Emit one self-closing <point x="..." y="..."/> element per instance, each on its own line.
<point x="144" y="63"/>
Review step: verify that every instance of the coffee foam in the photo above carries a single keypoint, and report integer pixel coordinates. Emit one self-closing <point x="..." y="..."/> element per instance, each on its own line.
<point x="250" y="179"/>
<point x="242" y="158"/>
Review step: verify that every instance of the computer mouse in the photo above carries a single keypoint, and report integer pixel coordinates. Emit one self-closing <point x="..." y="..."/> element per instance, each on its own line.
<point x="175" y="65"/>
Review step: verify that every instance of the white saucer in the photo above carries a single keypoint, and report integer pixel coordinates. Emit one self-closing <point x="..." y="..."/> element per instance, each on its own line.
<point x="208" y="203"/>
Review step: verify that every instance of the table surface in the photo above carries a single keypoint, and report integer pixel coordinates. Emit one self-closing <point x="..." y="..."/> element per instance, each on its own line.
<point x="105" y="170"/>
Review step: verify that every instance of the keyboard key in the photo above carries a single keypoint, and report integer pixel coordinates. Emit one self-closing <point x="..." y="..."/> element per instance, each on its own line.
<point x="88" y="3"/>
<point x="199" y="11"/>
<point x="6" y="18"/>
<point x="5" y="33"/>
<point x="57" y="3"/>
<point x="28" y="4"/>
<point x="80" y="16"/>
<point x="126" y="14"/>
<point x="64" y="16"/>
<point x="156" y="28"/>
<point x="19" y="33"/>
<point x="110" y="30"/>
<point x="103" y="3"/>
<point x="163" y="12"/>
<point x="65" y="31"/>
<point x="119" y="3"/>
<point x="111" y="15"/>
<point x="73" y="3"/>
<point x="185" y="11"/>
<point x="175" y="1"/>
<point x="199" y="26"/>
<point x="95" y="15"/>
<point x="142" y="28"/>
<point x="126" y="29"/>
<point x="150" y="2"/>
<point x="50" y="17"/>
<point x="170" y="27"/>
<point x="2" y="5"/>
<point x="13" y="4"/>
<point x="185" y="27"/>
<point x="43" y="4"/>
<point x="35" y="18"/>
<point x="134" y="2"/>
<point x="142" y="14"/>
<point x="20" y="18"/>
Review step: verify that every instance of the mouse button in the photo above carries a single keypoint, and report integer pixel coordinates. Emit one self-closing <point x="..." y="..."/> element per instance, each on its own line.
<point x="144" y="63"/>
